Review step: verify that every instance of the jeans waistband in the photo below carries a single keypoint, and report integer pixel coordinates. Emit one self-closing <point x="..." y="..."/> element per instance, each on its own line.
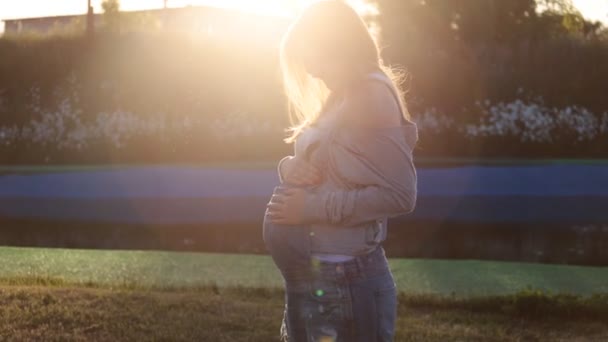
<point x="362" y="266"/>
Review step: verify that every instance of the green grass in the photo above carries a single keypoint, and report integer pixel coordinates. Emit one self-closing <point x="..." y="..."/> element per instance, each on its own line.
<point x="100" y="295"/>
<point x="158" y="269"/>
<point x="66" y="313"/>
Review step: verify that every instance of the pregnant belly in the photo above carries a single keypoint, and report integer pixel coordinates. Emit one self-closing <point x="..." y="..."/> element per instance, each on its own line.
<point x="289" y="245"/>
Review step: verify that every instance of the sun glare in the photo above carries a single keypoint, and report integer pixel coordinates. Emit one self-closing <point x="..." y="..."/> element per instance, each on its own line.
<point x="265" y="7"/>
<point x="38" y="8"/>
<point x="593" y="9"/>
<point x="279" y="7"/>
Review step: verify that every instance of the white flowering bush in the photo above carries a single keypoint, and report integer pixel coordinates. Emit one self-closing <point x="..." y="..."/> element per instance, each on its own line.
<point x="65" y="128"/>
<point x="430" y="120"/>
<point x="68" y="128"/>
<point x="240" y="124"/>
<point x="578" y="122"/>
<point x="9" y="135"/>
<point x="534" y="122"/>
<point x="526" y="121"/>
<point x="603" y="128"/>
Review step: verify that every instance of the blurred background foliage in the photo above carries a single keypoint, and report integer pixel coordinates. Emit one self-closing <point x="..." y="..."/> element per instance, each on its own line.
<point x="139" y="92"/>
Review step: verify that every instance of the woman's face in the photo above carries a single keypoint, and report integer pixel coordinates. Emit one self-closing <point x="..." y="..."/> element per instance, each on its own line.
<point x="325" y="70"/>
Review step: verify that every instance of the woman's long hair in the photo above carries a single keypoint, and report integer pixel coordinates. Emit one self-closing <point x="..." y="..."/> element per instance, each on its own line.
<point x="331" y="31"/>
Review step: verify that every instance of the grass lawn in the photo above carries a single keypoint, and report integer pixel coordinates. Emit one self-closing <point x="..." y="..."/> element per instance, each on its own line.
<point x="66" y="313"/>
<point x="157" y="269"/>
<point x="83" y="295"/>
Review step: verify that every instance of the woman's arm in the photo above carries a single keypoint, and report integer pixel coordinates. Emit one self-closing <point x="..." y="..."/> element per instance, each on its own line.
<point x="383" y="180"/>
<point x="372" y="153"/>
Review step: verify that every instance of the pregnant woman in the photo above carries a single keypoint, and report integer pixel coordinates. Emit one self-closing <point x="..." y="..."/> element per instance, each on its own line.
<point x="352" y="169"/>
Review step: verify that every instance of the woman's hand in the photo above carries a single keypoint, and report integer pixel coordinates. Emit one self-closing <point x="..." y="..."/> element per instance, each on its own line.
<point x="287" y="207"/>
<point x="300" y="172"/>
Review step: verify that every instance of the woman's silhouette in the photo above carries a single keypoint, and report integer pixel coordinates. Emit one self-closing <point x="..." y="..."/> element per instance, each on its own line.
<point x="352" y="170"/>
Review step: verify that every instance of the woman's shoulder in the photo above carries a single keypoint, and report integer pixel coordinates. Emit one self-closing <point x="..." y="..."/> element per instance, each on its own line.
<point x="372" y="103"/>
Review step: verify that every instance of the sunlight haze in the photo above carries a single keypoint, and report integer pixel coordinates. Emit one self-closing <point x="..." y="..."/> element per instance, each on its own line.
<point x="591" y="9"/>
<point x="41" y="8"/>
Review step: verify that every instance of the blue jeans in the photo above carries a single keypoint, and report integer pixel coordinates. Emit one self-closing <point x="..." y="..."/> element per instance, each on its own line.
<point x="355" y="300"/>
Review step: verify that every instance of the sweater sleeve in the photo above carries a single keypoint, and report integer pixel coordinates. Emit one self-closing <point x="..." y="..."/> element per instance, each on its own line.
<point x="376" y="166"/>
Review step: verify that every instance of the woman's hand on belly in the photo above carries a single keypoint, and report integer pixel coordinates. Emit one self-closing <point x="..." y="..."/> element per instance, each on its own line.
<point x="288" y="207"/>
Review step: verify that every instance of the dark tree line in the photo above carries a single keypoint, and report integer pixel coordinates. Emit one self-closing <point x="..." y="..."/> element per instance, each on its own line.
<point x="459" y="51"/>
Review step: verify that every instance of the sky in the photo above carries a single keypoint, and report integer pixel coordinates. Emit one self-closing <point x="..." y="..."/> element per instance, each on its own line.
<point x="592" y="9"/>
